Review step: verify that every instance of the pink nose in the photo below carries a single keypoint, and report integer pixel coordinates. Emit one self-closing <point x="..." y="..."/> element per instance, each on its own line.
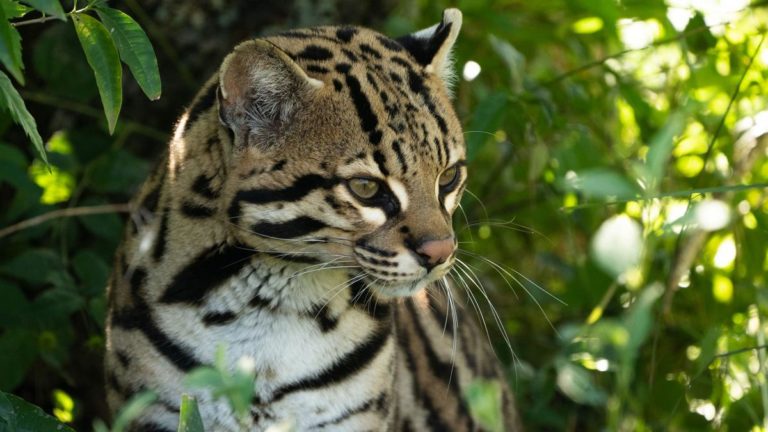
<point x="435" y="252"/>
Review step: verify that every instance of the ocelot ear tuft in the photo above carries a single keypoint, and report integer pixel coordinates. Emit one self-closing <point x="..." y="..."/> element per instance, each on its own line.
<point x="260" y="90"/>
<point x="432" y="46"/>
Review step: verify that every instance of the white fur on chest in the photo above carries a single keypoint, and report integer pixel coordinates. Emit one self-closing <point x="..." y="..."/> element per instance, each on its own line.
<point x="284" y="338"/>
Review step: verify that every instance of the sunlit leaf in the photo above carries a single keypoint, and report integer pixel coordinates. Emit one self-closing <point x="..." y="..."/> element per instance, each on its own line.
<point x="11" y="101"/>
<point x="135" y="49"/>
<point x="602" y="183"/>
<point x="104" y="60"/>
<point x="576" y="383"/>
<point x="661" y="146"/>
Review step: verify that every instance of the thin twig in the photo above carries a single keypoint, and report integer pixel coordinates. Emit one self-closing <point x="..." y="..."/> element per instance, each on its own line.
<point x="600" y="61"/>
<point x="67" y="212"/>
<point x="42" y="19"/>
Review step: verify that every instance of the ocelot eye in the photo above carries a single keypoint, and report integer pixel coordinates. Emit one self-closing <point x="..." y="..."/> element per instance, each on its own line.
<point x="448" y="178"/>
<point x="364" y="188"/>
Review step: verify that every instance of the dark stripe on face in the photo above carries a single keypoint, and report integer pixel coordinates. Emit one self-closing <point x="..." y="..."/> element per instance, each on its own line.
<point x="368" y="120"/>
<point x="202" y="187"/>
<point x="439" y="150"/>
<point x="366" y="247"/>
<point x="367" y="49"/>
<point x="351" y="363"/>
<point x="140" y="318"/>
<point x="204" y="103"/>
<point x="317" y="69"/>
<point x="299" y="189"/>
<point x="314" y="52"/>
<point x="138" y="278"/>
<point x="196" y="211"/>
<point x="206" y="272"/>
<point x="400" y="157"/>
<point x="381" y="161"/>
<point x="345" y="34"/>
<point x="162" y="237"/>
<point x="293" y="228"/>
<point x="218" y="318"/>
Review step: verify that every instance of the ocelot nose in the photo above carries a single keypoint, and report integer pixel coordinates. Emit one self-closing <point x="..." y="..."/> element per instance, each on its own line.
<point x="431" y="253"/>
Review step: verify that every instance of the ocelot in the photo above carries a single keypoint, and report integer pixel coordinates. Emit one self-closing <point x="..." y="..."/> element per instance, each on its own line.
<point x="302" y="220"/>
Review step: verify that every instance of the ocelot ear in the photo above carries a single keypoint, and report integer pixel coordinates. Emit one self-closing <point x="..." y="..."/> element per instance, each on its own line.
<point x="432" y="46"/>
<point x="260" y="90"/>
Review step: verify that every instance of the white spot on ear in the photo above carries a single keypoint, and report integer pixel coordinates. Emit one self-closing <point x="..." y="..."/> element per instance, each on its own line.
<point x="373" y="216"/>
<point x="315" y="83"/>
<point x="399" y="190"/>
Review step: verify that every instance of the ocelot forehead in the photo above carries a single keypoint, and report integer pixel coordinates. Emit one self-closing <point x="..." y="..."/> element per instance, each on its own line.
<point x="405" y="114"/>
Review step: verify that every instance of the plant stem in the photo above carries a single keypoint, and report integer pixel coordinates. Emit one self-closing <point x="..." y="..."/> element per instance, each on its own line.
<point x="67" y="212"/>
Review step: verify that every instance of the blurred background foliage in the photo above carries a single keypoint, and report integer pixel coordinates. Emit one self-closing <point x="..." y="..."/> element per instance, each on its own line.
<point x="616" y="212"/>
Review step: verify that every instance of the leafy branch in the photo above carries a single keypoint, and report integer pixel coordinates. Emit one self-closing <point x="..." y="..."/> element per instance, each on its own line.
<point x="107" y="38"/>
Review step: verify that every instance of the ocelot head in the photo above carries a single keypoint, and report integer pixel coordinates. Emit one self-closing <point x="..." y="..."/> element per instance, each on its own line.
<point x="346" y="150"/>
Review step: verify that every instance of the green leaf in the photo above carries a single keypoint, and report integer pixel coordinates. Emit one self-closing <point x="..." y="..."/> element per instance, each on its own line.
<point x="102" y="56"/>
<point x="92" y="272"/>
<point x="10" y="47"/>
<point x="484" y="122"/>
<point x="48" y="7"/>
<point x="660" y="148"/>
<point x="21" y="416"/>
<point x="14" y="9"/>
<point x="578" y="385"/>
<point x="33" y="266"/>
<point x="12" y="101"/>
<point x="189" y="417"/>
<point x="484" y="400"/>
<point x="133" y="409"/>
<point x="513" y="59"/>
<point x="135" y="49"/>
<point x="18" y="351"/>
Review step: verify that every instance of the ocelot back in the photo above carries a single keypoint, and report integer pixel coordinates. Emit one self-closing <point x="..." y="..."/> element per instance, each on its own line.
<point x="302" y="219"/>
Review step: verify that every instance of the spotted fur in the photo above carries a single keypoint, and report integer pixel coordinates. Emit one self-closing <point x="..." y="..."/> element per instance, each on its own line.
<point x="250" y="236"/>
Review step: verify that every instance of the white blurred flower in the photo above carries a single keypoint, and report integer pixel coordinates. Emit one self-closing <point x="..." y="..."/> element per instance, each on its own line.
<point x="712" y="215"/>
<point x="471" y="70"/>
<point x="618" y="245"/>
